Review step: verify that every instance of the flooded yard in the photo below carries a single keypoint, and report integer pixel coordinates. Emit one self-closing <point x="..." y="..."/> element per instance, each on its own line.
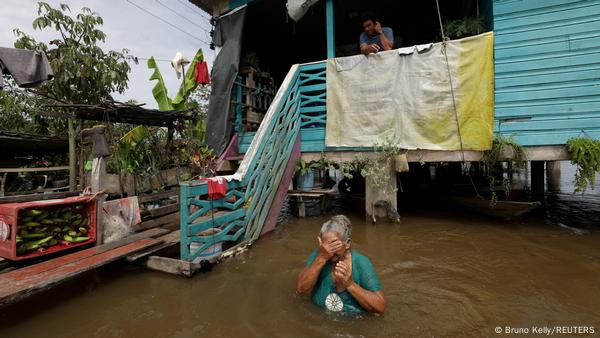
<point x="443" y="273"/>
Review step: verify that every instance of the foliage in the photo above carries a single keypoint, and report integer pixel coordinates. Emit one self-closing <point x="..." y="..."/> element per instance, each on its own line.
<point x="20" y="112"/>
<point x="83" y="72"/>
<point x="160" y="90"/>
<point x="188" y="85"/>
<point x="302" y="167"/>
<point x="185" y="148"/>
<point x="323" y="164"/>
<point x="351" y="168"/>
<point x="503" y="148"/>
<point x="198" y="100"/>
<point x="377" y="169"/>
<point x="462" y="28"/>
<point x="585" y="154"/>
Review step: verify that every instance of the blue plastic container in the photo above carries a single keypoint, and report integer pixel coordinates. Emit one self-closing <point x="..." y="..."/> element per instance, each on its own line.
<point x="306" y="181"/>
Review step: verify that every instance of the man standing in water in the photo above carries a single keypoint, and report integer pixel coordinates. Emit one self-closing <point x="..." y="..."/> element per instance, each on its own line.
<point x="341" y="280"/>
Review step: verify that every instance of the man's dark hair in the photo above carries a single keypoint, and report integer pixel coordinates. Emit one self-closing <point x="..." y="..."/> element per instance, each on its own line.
<point x="369" y="16"/>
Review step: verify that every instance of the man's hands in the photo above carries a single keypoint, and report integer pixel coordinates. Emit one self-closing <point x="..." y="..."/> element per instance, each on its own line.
<point x="326" y="250"/>
<point x="378" y="28"/>
<point x="374" y="48"/>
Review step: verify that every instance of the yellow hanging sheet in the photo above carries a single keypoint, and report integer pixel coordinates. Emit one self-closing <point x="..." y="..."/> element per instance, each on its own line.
<point x="405" y="95"/>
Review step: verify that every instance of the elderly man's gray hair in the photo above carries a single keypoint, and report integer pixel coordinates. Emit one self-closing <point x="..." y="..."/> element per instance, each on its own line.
<point x="340" y="224"/>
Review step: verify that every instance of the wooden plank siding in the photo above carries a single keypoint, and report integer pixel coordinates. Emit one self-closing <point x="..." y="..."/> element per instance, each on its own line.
<point x="547" y="69"/>
<point x="547" y="75"/>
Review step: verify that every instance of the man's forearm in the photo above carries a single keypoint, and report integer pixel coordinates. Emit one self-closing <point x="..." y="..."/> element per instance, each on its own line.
<point x="308" y="277"/>
<point x="387" y="44"/>
<point x="372" y="301"/>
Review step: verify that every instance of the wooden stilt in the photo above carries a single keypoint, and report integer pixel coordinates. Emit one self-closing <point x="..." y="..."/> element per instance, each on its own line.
<point x="537" y="180"/>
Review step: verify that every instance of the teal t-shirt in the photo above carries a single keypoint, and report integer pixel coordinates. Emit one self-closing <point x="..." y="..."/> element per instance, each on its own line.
<point x="363" y="274"/>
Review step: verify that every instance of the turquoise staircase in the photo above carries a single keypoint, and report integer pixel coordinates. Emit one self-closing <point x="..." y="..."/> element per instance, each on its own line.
<point x="256" y="191"/>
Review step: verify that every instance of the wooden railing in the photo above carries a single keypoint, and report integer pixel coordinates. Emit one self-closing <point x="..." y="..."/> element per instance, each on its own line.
<point x="252" y="191"/>
<point x="313" y="97"/>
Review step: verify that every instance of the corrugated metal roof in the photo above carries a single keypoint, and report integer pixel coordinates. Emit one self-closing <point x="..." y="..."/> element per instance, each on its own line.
<point x="547" y="69"/>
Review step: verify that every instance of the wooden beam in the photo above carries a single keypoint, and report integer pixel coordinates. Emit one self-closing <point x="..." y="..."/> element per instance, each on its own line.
<point x="171" y="219"/>
<point x="157" y="196"/>
<point x="330" y="26"/>
<point x="20" y="283"/>
<point x="38" y="197"/>
<point x="170" y="265"/>
<point x="157" y="212"/>
<point x="72" y="157"/>
<point x="538" y="153"/>
<point x="29" y="170"/>
<point x="168" y="240"/>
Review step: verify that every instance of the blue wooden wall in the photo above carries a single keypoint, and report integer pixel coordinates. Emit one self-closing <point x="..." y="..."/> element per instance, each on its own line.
<point x="547" y="69"/>
<point x="547" y="73"/>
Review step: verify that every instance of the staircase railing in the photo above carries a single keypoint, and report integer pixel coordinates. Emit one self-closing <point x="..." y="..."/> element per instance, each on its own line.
<point x="242" y="213"/>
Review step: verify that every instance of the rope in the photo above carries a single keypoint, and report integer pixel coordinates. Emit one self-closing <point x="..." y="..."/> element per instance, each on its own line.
<point x="445" y="52"/>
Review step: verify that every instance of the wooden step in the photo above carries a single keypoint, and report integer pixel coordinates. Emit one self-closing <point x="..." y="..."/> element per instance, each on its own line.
<point x="168" y="240"/>
<point x="23" y="282"/>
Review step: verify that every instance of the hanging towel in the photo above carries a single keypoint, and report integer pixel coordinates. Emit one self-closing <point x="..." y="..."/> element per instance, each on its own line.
<point x="202" y="76"/>
<point x="217" y="187"/>
<point x="28" y="68"/>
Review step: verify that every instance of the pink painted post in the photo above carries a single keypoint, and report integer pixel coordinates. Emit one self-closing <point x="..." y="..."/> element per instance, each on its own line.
<point x="288" y="175"/>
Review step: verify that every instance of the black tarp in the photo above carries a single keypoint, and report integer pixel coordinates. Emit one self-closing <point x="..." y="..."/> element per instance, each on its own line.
<point x="228" y="36"/>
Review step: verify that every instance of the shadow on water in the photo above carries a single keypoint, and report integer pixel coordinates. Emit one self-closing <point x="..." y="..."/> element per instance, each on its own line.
<point x="444" y="272"/>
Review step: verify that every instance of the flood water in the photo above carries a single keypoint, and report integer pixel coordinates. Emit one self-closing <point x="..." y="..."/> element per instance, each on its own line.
<point x="445" y="273"/>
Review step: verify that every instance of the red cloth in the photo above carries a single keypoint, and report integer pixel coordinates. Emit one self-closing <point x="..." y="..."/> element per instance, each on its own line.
<point x="202" y="76"/>
<point x="217" y="187"/>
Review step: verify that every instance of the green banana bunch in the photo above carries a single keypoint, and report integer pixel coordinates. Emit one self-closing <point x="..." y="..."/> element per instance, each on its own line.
<point x="48" y="226"/>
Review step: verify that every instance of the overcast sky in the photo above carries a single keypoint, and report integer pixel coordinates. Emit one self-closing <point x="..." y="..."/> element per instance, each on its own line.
<point x="127" y="26"/>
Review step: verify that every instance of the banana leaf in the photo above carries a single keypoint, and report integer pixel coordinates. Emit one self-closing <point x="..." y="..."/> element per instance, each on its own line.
<point x="199" y="130"/>
<point x="160" y="90"/>
<point x="135" y="135"/>
<point x="189" y="83"/>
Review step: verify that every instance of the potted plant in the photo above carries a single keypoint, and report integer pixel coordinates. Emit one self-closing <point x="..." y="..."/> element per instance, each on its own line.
<point x="322" y="167"/>
<point x="305" y="175"/>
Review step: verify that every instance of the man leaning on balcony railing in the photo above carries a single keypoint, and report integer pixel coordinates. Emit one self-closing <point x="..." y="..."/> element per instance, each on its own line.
<point x="375" y="38"/>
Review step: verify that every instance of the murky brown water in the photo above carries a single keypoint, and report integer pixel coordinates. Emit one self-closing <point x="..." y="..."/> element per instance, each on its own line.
<point x="445" y="273"/>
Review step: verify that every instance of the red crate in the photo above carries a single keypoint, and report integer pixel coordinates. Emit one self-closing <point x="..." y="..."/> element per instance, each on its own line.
<point x="9" y="213"/>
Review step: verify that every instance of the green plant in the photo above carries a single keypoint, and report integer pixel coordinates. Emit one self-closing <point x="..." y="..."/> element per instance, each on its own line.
<point x="188" y="85"/>
<point x="323" y="164"/>
<point x="585" y="154"/>
<point x="377" y="169"/>
<point x="503" y="149"/>
<point x="464" y="27"/>
<point x="83" y="72"/>
<point x="302" y="167"/>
